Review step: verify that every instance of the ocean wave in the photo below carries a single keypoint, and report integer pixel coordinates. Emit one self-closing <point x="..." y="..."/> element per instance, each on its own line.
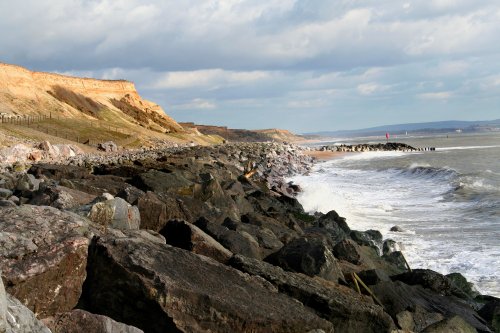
<point x="465" y="147"/>
<point x="427" y="171"/>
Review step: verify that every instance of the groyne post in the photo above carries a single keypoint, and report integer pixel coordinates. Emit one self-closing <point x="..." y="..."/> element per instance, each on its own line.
<point x="406" y="262"/>
<point x="368" y="289"/>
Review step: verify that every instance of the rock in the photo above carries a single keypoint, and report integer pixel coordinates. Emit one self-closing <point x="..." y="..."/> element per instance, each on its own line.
<point x="58" y="172"/>
<point x="60" y="197"/>
<point x="5" y="193"/>
<point x="160" y="288"/>
<point x="78" y="321"/>
<point x="14" y="199"/>
<point x="43" y="257"/>
<point x="107" y="196"/>
<point x="459" y="282"/>
<point x="347" y="310"/>
<point x="48" y="148"/>
<point x="162" y="182"/>
<point x="347" y="250"/>
<point x="16" y="153"/>
<point x="390" y="246"/>
<point x="454" y="324"/>
<point x="97" y="185"/>
<point x="189" y="237"/>
<point x="373" y="276"/>
<point x="336" y="226"/>
<point x="108" y="146"/>
<point x="7" y="203"/>
<point x="116" y="213"/>
<point x="397" y="297"/>
<point x="237" y="242"/>
<point x="405" y="320"/>
<point x="3" y="307"/>
<point x="267" y="240"/>
<point x="19" y="319"/>
<point x="64" y="151"/>
<point x="131" y="194"/>
<point x="371" y="238"/>
<point x="427" y="279"/>
<point x="155" y="211"/>
<point x="28" y="182"/>
<point x="279" y="229"/>
<point x="397" y="228"/>
<point x="491" y="312"/>
<point x="397" y="259"/>
<point x="309" y="255"/>
<point x="35" y="155"/>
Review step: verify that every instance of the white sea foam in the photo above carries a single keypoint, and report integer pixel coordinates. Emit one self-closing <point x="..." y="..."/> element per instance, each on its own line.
<point x="465" y="147"/>
<point x="439" y="234"/>
<point x="372" y="154"/>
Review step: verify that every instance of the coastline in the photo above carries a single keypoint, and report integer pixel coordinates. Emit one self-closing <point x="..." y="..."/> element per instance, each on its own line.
<point x="213" y="214"/>
<point x="324" y="155"/>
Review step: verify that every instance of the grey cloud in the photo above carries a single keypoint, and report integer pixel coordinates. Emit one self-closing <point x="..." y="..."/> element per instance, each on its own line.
<point x="320" y="60"/>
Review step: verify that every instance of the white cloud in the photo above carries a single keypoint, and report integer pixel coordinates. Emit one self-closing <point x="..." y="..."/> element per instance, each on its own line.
<point x="196" y="104"/>
<point x="307" y="104"/>
<point x="209" y="77"/>
<point x="449" y="68"/>
<point x="371" y="88"/>
<point x="441" y="95"/>
<point x="256" y="56"/>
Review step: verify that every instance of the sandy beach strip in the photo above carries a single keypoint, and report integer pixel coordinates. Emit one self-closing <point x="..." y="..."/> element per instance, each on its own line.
<point x="324" y="155"/>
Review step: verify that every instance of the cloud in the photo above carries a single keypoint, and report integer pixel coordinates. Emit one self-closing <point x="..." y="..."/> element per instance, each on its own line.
<point x="371" y="88"/>
<point x="196" y="104"/>
<point x="264" y="58"/>
<point x="441" y="95"/>
<point x="210" y="77"/>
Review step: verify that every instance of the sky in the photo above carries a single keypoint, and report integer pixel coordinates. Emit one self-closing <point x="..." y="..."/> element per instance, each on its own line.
<point x="309" y="65"/>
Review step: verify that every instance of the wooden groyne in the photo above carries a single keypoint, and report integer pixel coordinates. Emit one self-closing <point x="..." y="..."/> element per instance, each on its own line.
<point x="389" y="146"/>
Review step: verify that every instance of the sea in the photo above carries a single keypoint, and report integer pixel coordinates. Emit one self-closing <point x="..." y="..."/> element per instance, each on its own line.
<point x="447" y="201"/>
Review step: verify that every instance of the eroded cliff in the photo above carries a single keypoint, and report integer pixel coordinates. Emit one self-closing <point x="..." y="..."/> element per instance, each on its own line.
<point x="25" y="92"/>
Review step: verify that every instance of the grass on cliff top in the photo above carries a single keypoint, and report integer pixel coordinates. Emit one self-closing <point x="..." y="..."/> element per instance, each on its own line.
<point x="79" y="131"/>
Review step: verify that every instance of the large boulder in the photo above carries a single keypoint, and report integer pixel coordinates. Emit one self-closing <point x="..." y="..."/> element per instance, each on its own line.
<point x="60" y="197"/>
<point x="267" y="240"/>
<point x="309" y="255"/>
<point x="160" y="288"/>
<point x="235" y="241"/>
<point x="347" y="250"/>
<point x="347" y="310"/>
<point x="156" y="210"/>
<point x="371" y="238"/>
<point x="28" y="182"/>
<point x="454" y="324"/>
<point x="397" y="297"/>
<point x="47" y="147"/>
<point x="58" y="172"/>
<point x="335" y="224"/>
<point x="108" y="146"/>
<point x="20" y="319"/>
<point x="432" y="280"/>
<point x="189" y="237"/>
<point x="116" y="213"/>
<point x="78" y="321"/>
<point x="163" y="182"/>
<point x="284" y="233"/>
<point x="491" y="311"/>
<point x="43" y="256"/>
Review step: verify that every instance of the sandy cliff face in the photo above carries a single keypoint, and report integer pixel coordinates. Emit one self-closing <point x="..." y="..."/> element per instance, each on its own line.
<point x="24" y="92"/>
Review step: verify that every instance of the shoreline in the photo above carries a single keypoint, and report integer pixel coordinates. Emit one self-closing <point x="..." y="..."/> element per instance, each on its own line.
<point x="225" y="211"/>
<point x="324" y="155"/>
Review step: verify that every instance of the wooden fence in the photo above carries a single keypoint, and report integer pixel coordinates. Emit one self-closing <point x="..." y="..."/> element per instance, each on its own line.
<point x="42" y="123"/>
